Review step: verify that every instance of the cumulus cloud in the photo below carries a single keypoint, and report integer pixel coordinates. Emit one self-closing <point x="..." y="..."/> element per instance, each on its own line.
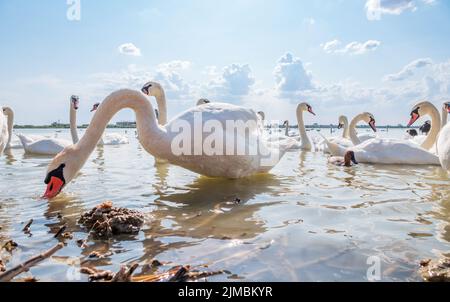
<point x="235" y="81"/>
<point x="353" y="48"/>
<point x="130" y="49"/>
<point x="168" y="74"/>
<point x="408" y="70"/>
<point x="375" y="9"/>
<point x="291" y="77"/>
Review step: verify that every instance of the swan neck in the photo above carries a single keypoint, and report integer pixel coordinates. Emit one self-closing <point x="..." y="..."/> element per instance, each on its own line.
<point x="444" y="117"/>
<point x="352" y="129"/>
<point x="346" y="133"/>
<point x="10" y="116"/>
<point x="73" y="124"/>
<point x="286" y="133"/>
<point x="162" y="107"/>
<point x="435" y="128"/>
<point x="301" y="128"/>
<point x="147" y="126"/>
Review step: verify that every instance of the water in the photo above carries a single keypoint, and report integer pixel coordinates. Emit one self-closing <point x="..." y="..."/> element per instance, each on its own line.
<point x="306" y="221"/>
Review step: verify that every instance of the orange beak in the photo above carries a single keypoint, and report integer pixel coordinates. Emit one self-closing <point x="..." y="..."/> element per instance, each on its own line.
<point x="414" y="118"/>
<point x="54" y="187"/>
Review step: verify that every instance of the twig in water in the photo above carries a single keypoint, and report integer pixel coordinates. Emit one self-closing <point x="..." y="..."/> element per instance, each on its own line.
<point x="60" y="231"/>
<point x="26" y="228"/>
<point x="12" y="273"/>
<point x="124" y="274"/>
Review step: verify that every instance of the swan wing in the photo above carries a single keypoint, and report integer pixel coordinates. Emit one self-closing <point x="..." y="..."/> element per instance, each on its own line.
<point x="443" y="147"/>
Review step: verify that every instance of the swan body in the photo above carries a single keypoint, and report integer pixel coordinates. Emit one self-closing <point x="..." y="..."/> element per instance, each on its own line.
<point x="443" y="143"/>
<point x="43" y="146"/>
<point x="164" y="141"/>
<point x="387" y="151"/>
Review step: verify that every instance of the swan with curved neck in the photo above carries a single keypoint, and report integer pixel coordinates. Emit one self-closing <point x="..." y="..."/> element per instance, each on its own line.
<point x="160" y="141"/>
<point x="443" y="143"/>
<point x="422" y="109"/>
<point x="155" y="90"/>
<point x="343" y="124"/>
<point x="9" y="113"/>
<point x="363" y="117"/>
<point x="390" y="151"/>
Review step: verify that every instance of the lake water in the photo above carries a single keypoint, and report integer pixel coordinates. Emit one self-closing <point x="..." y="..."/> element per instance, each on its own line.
<point x="306" y="221"/>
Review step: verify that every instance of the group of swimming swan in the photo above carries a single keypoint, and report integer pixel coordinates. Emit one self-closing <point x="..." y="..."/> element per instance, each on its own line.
<point x="156" y="134"/>
<point x="40" y="145"/>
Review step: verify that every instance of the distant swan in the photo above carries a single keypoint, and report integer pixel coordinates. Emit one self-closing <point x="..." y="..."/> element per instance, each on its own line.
<point x="51" y="146"/>
<point x="5" y="135"/>
<point x="393" y="151"/>
<point x="158" y="141"/>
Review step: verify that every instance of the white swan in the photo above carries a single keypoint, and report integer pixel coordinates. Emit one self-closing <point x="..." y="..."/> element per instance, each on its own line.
<point x="51" y="146"/>
<point x="112" y="139"/>
<point x="363" y="117"/>
<point x="164" y="141"/>
<point x="343" y="141"/>
<point x="4" y="133"/>
<point x="422" y="109"/>
<point x="443" y="143"/>
<point x="392" y="151"/>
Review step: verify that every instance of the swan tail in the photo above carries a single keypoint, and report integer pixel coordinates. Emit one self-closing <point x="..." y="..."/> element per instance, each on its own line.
<point x="334" y="148"/>
<point x="24" y="140"/>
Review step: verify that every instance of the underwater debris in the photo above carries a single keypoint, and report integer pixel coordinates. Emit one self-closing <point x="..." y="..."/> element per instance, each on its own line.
<point x="27" y="227"/>
<point x="60" y="231"/>
<point x="10" y="246"/>
<point x="24" y="267"/>
<point x="2" y="266"/>
<point x="435" y="270"/>
<point x="105" y="221"/>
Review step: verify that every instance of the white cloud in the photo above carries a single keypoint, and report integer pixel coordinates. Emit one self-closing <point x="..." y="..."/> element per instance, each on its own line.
<point x="291" y="77"/>
<point x="130" y="49"/>
<point x="375" y="9"/>
<point x="235" y="81"/>
<point x="353" y="48"/>
<point x="408" y="70"/>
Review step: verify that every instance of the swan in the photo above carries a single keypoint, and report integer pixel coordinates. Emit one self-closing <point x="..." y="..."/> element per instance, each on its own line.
<point x="74" y="105"/>
<point x="165" y="141"/>
<point x="393" y="151"/>
<point x="112" y="139"/>
<point x="12" y="143"/>
<point x="363" y="117"/>
<point x="422" y="109"/>
<point x="344" y="141"/>
<point x="4" y="133"/>
<point x="443" y="143"/>
<point x="51" y="146"/>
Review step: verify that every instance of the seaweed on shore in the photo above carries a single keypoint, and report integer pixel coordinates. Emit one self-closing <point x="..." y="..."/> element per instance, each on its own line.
<point x="435" y="270"/>
<point x="106" y="221"/>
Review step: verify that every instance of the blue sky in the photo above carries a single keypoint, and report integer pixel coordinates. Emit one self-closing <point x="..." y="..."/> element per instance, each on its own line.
<point x="344" y="57"/>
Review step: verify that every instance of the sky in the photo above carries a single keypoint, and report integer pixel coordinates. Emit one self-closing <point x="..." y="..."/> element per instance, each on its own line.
<point x="341" y="56"/>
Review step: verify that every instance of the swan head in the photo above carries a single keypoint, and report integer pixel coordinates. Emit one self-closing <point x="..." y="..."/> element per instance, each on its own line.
<point x="412" y="132"/>
<point x="286" y="123"/>
<point x="306" y="107"/>
<point x="419" y="110"/>
<point x="349" y="158"/>
<point x="342" y="121"/>
<point x="7" y="111"/>
<point x="262" y="115"/>
<point x="61" y="171"/>
<point x="203" y="102"/>
<point x="370" y="120"/>
<point x="75" y="101"/>
<point x="447" y="107"/>
<point x="152" y="89"/>
<point x="95" y="107"/>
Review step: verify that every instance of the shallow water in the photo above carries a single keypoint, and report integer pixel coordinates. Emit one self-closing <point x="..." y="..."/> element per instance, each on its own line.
<point x="306" y="221"/>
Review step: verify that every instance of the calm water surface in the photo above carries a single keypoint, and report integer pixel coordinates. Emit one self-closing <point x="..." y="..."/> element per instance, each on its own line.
<point x="306" y="221"/>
